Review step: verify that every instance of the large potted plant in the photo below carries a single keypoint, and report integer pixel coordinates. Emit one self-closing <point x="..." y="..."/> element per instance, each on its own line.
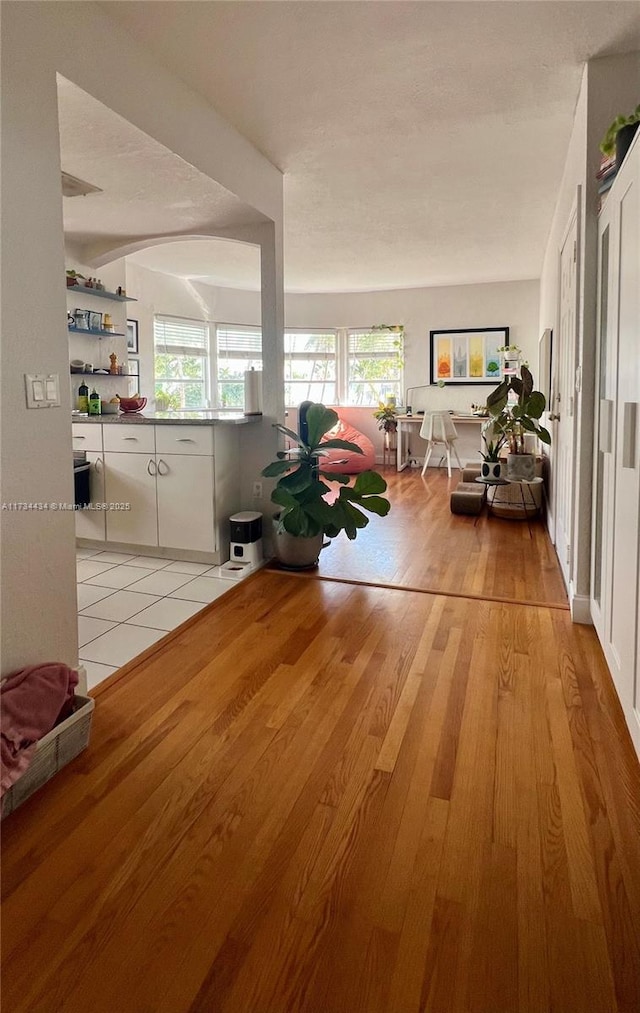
<point x="305" y="516"/>
<point x="513" y="418"/>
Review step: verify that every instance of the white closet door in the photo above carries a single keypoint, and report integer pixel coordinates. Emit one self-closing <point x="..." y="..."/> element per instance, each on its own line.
<point x="626" y="520"/>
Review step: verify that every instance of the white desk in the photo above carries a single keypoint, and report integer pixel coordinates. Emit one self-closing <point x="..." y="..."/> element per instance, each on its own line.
<point x="468" y="427"/>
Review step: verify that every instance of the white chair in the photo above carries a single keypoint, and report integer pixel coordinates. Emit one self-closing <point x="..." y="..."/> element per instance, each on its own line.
<point x="437" y="427"/>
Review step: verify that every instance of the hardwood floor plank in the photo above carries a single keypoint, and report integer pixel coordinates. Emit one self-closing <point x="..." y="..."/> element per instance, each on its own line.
<point x="491" y="558"/>
<point x="405" y="986"/>
<point x="326" y="796"/>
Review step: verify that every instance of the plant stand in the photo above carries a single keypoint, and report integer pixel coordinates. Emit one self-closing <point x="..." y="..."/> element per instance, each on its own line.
<point x="389" y="447"/>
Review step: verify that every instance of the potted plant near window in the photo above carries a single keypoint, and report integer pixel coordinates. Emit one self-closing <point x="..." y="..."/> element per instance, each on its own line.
<point x="305" y="517"/>
<point x="386" y="416"/>
<point x="514" y="419"/>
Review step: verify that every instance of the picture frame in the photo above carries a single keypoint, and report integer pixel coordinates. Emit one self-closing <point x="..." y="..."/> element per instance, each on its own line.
<point x="95" y="321"/>
<point x="467" y="355"/>
<point x="132" y="336"/>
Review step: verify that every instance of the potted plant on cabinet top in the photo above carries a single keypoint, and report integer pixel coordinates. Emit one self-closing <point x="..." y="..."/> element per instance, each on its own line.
<point x="514" y="419"/>
<point x="305" y="517"/>
<point x="619" y="136"/>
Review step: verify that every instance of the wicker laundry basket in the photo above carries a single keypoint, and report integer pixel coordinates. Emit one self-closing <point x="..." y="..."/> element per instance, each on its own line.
<point x="57" y="748"/>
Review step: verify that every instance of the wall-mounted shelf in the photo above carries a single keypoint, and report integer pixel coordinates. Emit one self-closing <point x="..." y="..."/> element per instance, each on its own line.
<point x="101" y="293"/>
<point x="105" y="376"/>
<point x="99" y="334"/>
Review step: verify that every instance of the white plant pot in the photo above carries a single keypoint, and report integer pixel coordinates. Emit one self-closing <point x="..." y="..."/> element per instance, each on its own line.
<point x="491" y="470"/>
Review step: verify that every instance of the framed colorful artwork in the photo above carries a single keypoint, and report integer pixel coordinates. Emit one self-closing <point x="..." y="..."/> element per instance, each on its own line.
<point x="467" y="356"/>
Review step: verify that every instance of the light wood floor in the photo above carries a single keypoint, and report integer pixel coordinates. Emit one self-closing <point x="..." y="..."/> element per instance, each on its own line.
<point x="320" y="796"/>
<point x="421" y="544"/>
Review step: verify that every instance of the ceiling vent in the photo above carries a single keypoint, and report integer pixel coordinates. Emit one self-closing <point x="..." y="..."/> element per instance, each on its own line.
<point x="73" y="187"/>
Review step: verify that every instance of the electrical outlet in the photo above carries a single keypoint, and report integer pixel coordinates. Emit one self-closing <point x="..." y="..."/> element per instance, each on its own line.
<point x="257" y="490"/>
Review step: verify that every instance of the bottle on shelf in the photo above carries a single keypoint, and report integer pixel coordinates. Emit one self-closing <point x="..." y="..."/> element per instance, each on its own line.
<point x="83" y="398"/>
<point x="95" y="404"/>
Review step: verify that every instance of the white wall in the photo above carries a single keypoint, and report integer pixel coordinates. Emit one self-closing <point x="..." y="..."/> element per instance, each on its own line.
<point x="81" y="43"/>
<point x="38" y="546"/>
<point x="610" y="85"/>
<point x="512" y="304"/>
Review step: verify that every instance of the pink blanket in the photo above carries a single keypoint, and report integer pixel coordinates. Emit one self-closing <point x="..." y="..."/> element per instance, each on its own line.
<point x="31" y="703"/>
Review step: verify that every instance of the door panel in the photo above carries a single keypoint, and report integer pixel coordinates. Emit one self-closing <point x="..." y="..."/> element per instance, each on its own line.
<point x="624" y="597"/>
<point x="186" y="502"/>
<point x="130" y="479"/>
<point x="564" y="424"/>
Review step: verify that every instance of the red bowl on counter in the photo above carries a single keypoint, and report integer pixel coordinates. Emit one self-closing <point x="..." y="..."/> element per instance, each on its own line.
<point x="132" y="404"/>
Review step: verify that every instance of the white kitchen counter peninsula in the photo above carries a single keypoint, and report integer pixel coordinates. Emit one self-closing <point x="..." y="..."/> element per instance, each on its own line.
<point x="161" y="484"/>
<point x="207" y="418"/>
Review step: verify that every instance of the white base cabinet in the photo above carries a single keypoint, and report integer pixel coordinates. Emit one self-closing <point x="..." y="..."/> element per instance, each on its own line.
<point x="130" y="479"/>
<point x="181" y="484"/>
<point x="186" y="502"/>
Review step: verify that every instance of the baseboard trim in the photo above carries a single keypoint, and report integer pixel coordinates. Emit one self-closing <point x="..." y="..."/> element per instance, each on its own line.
<point x="580" y="609"/>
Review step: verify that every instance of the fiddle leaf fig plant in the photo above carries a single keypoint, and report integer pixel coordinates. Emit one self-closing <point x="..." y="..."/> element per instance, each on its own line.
<point x="513" y="420"/>
<point x="300" y="491"/>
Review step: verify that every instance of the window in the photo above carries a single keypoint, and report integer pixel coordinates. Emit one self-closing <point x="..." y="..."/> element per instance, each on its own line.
<point x="239" y="348"/>
<point x="181" y="362"/>
<point x="310" y="367"/>
<point x="374" y="365"/>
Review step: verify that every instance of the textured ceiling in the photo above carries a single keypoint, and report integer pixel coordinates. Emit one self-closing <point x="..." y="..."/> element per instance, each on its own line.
<point x="146" y="188"/>
<point x="214" y="261"/>
<point x="422" y="143"/>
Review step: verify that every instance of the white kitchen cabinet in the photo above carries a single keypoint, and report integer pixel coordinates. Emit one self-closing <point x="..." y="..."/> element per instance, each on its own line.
<point x="130" y="478"/>
<point x="186" y="502"/>
<point x="182" y="483"/>
<point x="129" y="438"/>
<point x="615" y="595"/>
<point x="86" y="436"/>
<point x="185" y="440"/>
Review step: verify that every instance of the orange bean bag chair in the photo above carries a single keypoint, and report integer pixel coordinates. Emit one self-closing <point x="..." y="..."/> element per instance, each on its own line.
<point x="353" y="463"/>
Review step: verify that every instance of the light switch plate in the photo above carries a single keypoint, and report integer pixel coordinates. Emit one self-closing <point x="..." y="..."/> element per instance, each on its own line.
<point x="42" y="390"/>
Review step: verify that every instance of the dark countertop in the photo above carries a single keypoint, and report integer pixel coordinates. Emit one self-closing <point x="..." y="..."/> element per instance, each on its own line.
<point x="208" y="418"/>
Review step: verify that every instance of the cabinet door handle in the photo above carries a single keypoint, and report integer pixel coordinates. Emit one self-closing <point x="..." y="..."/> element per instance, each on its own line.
<point x="629" y="428"/>
<point x="160" y="464"/>
<point x="79" y="437"/>
<point x="98" y="465"/>
<point x="130" y="438"/>
<point x="151" y="464"/>
<point x="184" y="439"/>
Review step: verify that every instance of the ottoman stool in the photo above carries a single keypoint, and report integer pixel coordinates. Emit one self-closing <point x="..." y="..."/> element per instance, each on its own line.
<point x="468" y="498"/>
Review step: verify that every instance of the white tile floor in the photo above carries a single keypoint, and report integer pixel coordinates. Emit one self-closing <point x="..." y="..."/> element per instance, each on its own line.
<point x="127" y="602"/>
